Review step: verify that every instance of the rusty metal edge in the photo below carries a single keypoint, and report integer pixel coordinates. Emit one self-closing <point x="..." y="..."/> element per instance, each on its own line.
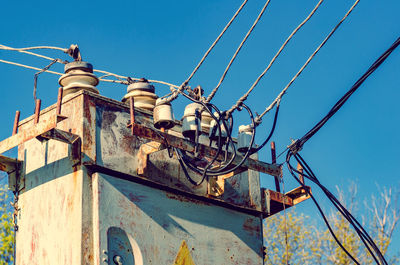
<point x="94" y="168"/>
<point x="8" y="164"/>
<point x="77" y="94"/>
<point x="181" y="143"/>
<point x="26" y="135"/>
<point x="292" y="198"/>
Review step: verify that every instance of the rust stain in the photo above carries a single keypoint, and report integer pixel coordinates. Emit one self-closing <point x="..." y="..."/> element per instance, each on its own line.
<point x="252" y="227"/>
<point x="33" y="242"/>
<point x="135" y="198"/>
<point x="184" y="199"/>
<point x="89" y="123"/>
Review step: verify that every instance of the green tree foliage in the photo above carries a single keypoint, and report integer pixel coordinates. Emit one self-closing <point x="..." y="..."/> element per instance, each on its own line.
<point x="6" y="228"/>
<point x="299" y="236"/>
<point x="309" y="243"/>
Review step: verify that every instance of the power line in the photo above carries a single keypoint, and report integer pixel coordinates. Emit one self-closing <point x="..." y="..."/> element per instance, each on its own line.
<point x="33" y="48"/>
<point x="306" y="63"/>
<point x="237" y="51"/>
<point x="181" y="87"/>
<point x="299" y="143"/>
<point x="363" y="235"/>
<point x="244" y="97"/>
<point x="4" y="47"/>
<point x="36" y="77"/>
<point x="23" y="50"/>
<point x="28" y="67"/>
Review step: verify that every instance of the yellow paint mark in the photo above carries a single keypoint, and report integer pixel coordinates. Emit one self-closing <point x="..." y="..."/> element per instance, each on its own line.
<point x="183" y="257"/>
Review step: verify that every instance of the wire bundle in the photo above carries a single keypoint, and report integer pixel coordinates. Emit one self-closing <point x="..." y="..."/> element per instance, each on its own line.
<point x="297" y="145"/>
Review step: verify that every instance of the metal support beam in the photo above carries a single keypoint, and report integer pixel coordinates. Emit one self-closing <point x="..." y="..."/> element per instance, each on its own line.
<point x="13" y="168"/>
<point x="273" y="201"/>
<point x="66" y="137"/>
<point x="143" y="155"/>
<point x="203" y="150"/>
<point x="36" y="130"/>
<point x="273" y="156"/>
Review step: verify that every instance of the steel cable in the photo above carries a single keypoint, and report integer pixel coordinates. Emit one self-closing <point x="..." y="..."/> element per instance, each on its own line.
<point x="182" y="87"/>
<point x="36" y="77"/>
<point x="279" y="97"/>
<point x="244" y="97"/>
<point x="237" y="51"/>
<point x="4" y="47"/>
<point x="28" y="67"/>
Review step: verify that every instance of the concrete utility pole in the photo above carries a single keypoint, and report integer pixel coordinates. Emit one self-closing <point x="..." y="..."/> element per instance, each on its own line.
<point x="95" y="185"/>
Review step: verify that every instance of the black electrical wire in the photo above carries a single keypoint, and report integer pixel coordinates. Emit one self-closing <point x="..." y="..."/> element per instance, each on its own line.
<point x="291" y="169"/>
<point x="299" y="143"/>
<point x="229" y="143"/>
<point x="35" y="77"/>
<point x="353" y="221"/>
<point x="364" y="236"/>
<point x="248" y="152"/>
<point x="186" y="163"/>
<point x="270" y="133"/>
<point x="203" y="171"/>
<point x="296" y="146"/>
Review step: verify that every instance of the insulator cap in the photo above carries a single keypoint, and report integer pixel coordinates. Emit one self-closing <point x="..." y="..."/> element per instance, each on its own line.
<point x="214" y="132"/>
<point x="163" y="116"/>
<point x="191" y="123"/>
<point x="244" y="139"/>
<point x="142" y="85"/>
<point x="143" y="94"/>
<point x="78" y="76"/>
<point x="78" y="65"/>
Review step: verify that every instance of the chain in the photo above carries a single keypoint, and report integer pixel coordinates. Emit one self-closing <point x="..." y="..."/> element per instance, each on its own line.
<point x="285" y="222"/>
<point x="15" y="214"/>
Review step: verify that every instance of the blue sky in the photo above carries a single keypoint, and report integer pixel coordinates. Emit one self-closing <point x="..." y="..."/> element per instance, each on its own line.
<point x="164" y="40"/>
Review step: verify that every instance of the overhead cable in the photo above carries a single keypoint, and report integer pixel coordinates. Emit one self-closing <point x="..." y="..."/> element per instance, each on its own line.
<point x="363" y="235"/>
<point x="292" y="170"/>
<point x="271" y="62"/>
<point x="4" y="47"/>
<point x="28" y="67"/>
<point x="182" y="87"/>
<point x="299" y="143"/>
<point x="36" y="77"/>
<point x="23" y="50"/>
<point x="279" y="97"/>
<point x="238" y="50"/>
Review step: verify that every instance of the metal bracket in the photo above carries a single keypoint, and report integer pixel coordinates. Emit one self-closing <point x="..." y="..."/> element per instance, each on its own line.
<point x="13" y="168"/>
<point x="66" y="137"/>
<point x="204" y="150"/>
<point x="143" y="155"/>
<point x="216" y="185"/>
<point x="274" y="202"/>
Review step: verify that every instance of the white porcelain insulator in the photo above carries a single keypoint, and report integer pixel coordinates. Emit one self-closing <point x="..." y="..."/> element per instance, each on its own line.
<point x="76" y="80"/>
<point x="244" y="138"/>
<point x="142" y="99"/>
<point x="163" y="116"/>
<point x="206" y="120"/>
<point x="214" y="132"/>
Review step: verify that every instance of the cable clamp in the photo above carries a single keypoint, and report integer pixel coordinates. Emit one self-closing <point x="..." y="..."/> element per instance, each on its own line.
<point x="257" y="119"/>
<point x="74" y="52"/>
<point x="295" y="146"/>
